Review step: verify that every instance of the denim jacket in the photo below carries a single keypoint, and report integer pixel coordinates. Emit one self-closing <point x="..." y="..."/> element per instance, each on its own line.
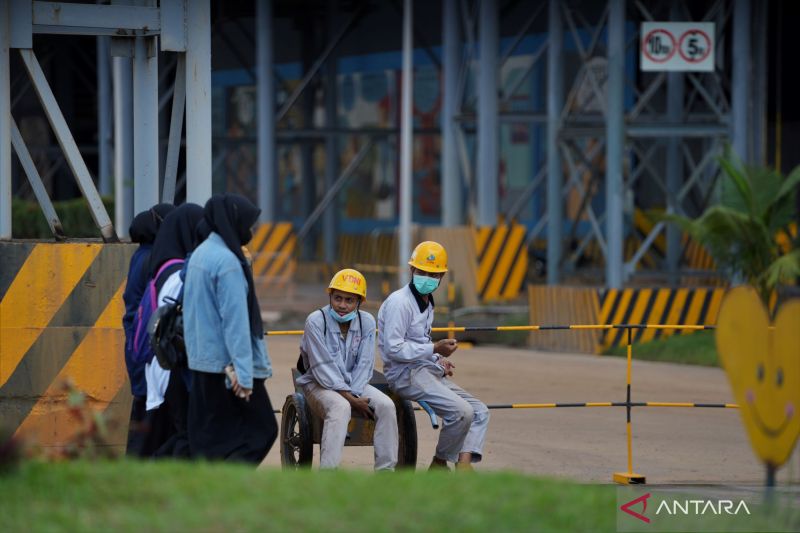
<point x="216" y="323"/>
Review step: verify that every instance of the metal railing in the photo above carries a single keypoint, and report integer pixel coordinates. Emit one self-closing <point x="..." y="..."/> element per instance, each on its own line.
<point x="629" y="476"/>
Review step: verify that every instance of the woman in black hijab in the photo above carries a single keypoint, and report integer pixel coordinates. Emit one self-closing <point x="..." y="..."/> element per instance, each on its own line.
<point x="143" y="230"/>
<point x="229" y="418"/>
<point x="177" y="238"/>
<point x="168" y="392"/>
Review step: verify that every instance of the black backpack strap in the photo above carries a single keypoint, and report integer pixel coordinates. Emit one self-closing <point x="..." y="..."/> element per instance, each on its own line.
<point x="301" y="367"/>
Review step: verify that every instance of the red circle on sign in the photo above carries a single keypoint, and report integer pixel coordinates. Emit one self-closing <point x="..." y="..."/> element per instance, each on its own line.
<point x="694" y="32"/>
<point x="648" y="55"/>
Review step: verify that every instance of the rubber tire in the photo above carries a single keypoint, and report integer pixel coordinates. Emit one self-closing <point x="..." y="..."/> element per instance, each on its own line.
<point x="297" y="447"/>
<point x="407" y="435"/>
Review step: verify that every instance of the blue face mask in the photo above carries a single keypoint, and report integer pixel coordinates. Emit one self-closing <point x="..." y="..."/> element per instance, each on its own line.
<point x="342" y="319"/>
<point x="425" y="284"/>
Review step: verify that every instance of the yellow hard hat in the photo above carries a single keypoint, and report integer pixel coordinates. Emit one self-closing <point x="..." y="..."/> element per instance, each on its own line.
<point x="349" y="280"/>
<point x="429" y="256"/>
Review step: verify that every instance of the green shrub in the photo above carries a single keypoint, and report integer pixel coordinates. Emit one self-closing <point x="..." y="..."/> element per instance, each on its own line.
<point x="28" y="222"/>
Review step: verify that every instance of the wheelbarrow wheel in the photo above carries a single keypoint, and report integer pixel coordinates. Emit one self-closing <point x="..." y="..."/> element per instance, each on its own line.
<point x="407" y="435"/>
<point x="297" y="446"/>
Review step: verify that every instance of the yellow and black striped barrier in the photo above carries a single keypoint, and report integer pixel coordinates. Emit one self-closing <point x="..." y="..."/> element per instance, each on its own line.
<point x="61" y="318"/>
<point x="661" y="306"/>
<point x="502" y="261"/>
<point x="684" y="306"/>
<point x="273" y="248"/>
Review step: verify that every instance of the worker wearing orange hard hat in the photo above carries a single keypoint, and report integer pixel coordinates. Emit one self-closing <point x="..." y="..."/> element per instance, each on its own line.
<point x="337" y="357"/>
<point x="418" y="368"/>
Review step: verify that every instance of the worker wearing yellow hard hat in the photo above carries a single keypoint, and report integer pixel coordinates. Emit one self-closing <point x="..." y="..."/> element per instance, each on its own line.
<point x="418" y="368"/>
<point x="337" y="357"/>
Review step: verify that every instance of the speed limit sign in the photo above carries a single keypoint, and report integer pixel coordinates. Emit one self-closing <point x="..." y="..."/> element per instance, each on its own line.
<point x="677" y="46"/>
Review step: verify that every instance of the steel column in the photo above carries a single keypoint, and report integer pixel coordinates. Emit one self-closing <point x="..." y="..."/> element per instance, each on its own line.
<point x="452" y="211"/>
<point x="267" y="169"/>
<point x="555" y="105"/>
<point x="123" y="144"/>
<point x="329" y="216"/>
<point x="406" y="138"/>
<point x="145" y="123"/>
<point x="198" y="101"/>
<point x="674" y="164"/>
<point x="307" y="174"/>
<point x="104" y="117"/>
<point x="761" y="75"/>
<point x="488" y="134"/>
<point x="740" y="91"/>
<point x="5" y="120"/>
<point x="615" y="143"/>
<point x="175" y="131"/>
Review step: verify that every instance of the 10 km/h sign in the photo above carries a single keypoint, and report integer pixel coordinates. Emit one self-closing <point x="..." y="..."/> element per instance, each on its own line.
<point x="677" y="46"/>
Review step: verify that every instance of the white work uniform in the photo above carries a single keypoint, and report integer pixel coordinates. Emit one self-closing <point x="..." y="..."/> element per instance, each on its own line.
<point x="404" y="341"/>
<point x="338" y="363"/>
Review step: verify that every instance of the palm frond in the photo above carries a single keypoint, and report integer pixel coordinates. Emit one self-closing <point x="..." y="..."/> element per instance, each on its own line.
<point x="734" y="170"/>
<point x="785" y="269"/>
<point x="790" y="184"/>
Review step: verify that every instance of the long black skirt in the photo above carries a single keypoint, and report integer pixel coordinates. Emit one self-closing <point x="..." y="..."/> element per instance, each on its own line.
<point x="161" y="432"/>
<point x="222" y="426"/>
<point x="136" y="431"/>
<point x="175" y="409"/>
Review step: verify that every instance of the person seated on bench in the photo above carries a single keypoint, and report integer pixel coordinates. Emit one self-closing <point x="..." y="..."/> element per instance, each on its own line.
<point x="337" y="356"/>
<point x="417" y="368"/>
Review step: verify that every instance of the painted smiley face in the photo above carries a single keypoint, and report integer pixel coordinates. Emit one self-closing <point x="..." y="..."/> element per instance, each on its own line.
<point x="762" y="361"/>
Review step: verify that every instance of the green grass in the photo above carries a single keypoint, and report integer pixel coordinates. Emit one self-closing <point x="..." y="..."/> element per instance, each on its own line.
<point x="693" y="349"/>
<point x="127" y="496"/>
<point x="162" y="496"/>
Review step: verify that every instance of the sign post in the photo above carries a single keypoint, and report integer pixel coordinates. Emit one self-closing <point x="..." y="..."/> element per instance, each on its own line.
<point x="677" y="47"/>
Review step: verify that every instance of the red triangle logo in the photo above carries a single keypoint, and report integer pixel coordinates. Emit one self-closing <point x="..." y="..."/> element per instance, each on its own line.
<point x="641" y="499"/>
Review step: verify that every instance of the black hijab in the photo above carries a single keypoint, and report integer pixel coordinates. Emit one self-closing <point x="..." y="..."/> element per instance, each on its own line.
<point x="144" y="226"/>
<point x="177" y="237"/>
<point x="231" y="216"/>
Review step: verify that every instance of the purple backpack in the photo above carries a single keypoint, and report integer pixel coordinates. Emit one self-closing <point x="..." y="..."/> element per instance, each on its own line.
<point x="140" y="348"/>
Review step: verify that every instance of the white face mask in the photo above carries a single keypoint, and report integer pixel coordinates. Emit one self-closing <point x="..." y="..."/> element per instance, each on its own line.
<point x="342" y="319"/>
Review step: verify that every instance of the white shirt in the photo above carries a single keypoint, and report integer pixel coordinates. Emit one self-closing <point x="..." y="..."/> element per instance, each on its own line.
<point x="404" y="335"/>
<point x="333" y="361"/>
<point x="158" y="378"/>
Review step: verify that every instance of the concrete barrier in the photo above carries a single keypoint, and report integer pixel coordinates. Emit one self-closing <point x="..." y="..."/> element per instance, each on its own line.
<point x="61" y="317"/>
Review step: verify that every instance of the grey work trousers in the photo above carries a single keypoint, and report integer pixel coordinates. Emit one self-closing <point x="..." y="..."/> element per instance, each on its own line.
<point x="335" y="411"/>
<point x="465" y="419"/>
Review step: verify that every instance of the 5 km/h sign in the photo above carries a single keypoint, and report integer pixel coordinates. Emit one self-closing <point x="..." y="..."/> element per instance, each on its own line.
<point x="677" y="46"/>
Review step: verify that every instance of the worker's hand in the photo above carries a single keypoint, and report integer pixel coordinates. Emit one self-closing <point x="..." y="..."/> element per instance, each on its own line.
<point x="446" y="365"/>
<point x="445" y="347"/>
<point x="361" y="406"/>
